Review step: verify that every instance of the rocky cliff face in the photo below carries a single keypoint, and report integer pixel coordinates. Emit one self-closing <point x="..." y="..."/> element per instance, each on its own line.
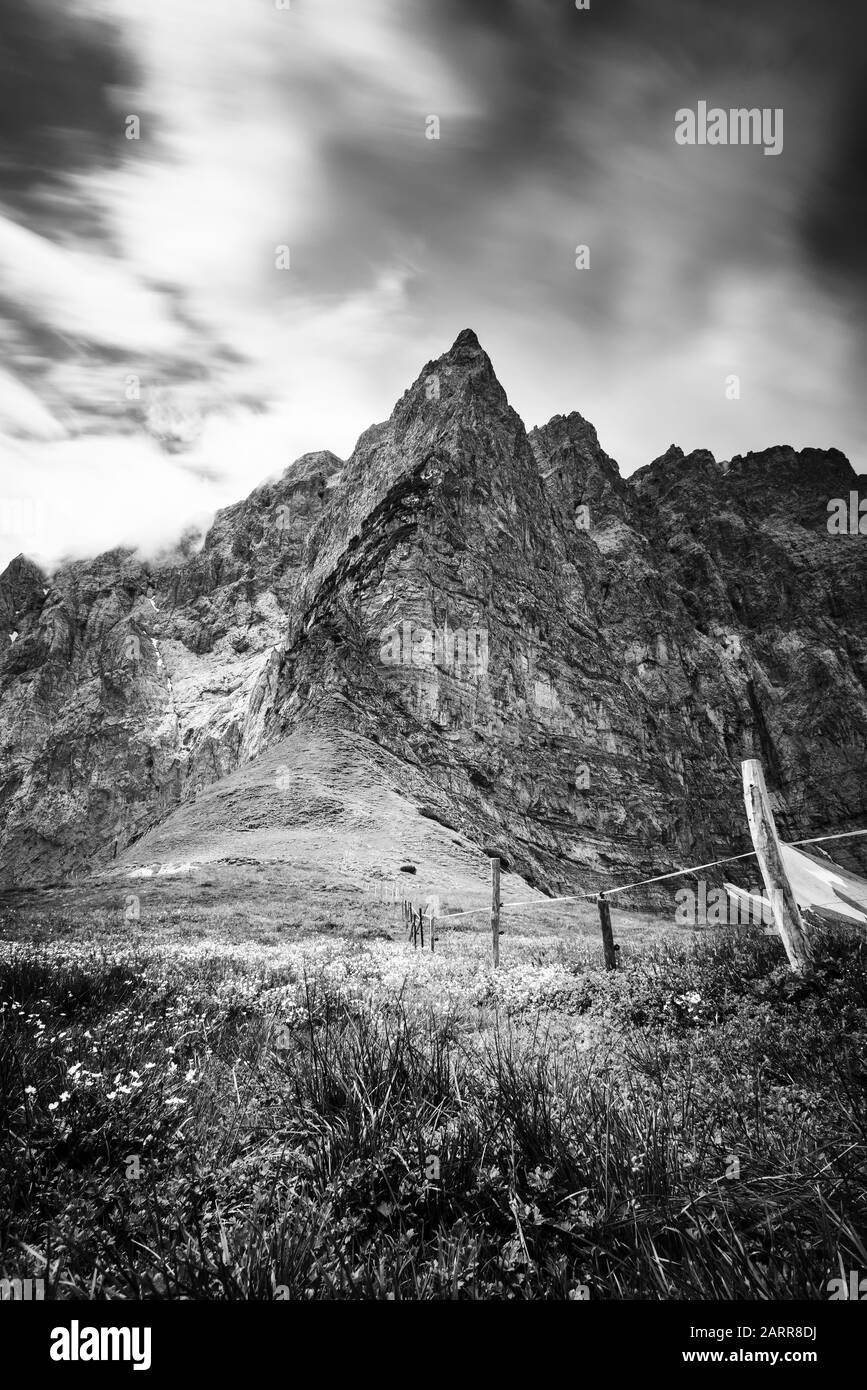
<point x="125" y="688"/>
<point x="571" y="663"/>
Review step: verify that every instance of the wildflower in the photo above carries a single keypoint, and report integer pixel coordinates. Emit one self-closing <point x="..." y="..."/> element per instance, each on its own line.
<point x="52" y="1105"/>
<point x="30" y="1090"/>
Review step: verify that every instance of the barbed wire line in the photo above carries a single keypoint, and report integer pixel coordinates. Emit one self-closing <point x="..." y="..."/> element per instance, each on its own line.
<point x="597" y="893"/>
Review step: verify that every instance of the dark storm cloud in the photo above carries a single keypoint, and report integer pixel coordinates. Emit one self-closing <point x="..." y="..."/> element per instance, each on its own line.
<point x="537" y="61"/>
<point x="550" y="78"/>
<point x="834" y="217"/>
<point x="59" y="79"/>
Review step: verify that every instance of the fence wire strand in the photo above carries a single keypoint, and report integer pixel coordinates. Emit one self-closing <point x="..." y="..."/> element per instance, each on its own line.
<point x="595" y="894"/>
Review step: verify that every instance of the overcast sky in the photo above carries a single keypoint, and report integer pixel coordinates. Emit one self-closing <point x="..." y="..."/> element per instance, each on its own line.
<point x="307" y="127"/>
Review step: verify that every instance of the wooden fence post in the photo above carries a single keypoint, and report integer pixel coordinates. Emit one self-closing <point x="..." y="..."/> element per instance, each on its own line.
<point x="787" y="914"/>
<point x="607" y="934"/>
<point x="495" y="908"/>
<point x="421" y="927"/>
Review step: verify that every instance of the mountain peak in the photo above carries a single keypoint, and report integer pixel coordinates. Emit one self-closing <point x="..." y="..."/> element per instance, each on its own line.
<point x="467" y="353"/>
<point x="449" y="385"/>
<point x="466" y="339"/>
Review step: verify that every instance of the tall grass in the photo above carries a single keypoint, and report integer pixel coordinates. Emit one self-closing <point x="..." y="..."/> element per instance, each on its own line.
<point x="170" y="1132"/>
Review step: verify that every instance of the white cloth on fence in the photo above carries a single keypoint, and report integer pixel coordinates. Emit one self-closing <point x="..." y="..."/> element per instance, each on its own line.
<point x="820" y="886"/>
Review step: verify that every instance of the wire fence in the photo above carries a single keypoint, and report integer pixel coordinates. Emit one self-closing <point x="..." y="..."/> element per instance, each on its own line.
<point x="595" y="894"/>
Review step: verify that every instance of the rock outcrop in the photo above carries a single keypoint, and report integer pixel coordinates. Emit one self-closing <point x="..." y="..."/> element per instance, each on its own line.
<point x="127" y="686"/>
<point x="571" y="663"/>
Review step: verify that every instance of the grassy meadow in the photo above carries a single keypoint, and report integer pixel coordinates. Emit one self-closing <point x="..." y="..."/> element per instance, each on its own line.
<point x="321" y="1112"/>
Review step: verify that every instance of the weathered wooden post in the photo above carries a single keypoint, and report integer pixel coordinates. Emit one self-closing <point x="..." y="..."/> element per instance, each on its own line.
<point x="495" y="909"/>
<point x="787" y="914"/>
<point x="421" y="926"/>
<point x="608" y="948"/>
